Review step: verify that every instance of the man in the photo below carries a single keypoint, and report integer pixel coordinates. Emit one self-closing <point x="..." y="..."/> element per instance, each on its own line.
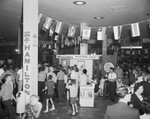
<point x="121" y="110"/>
<point x="60" y="84"/>
<point x="119" y="72"/>
<point x="83" y="80"/>
<point x="112" y="84"/>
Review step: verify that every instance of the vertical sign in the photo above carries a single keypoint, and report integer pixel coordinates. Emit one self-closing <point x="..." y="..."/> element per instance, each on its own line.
<point x="30" y="47"/>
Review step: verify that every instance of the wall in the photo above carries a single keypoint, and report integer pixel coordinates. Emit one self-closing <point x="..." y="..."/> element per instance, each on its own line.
<point x="88" y="65"/>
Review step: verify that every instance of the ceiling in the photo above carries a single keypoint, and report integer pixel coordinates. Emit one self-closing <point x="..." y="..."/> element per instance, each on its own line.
<point x="114" y="12"/>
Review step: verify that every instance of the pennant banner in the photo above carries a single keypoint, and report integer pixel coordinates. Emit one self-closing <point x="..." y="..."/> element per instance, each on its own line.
<point x="40" y="16"/>
<point x="51" y="31"/>
<point x="101" y="33"/>
<point x="135" y="30"/>
<point x="47" y="23"/>
<point x="72" y="31"/>
<point x="117" y="32"/>
<point x="86" y="33"/>
<point x="58" y="27"/>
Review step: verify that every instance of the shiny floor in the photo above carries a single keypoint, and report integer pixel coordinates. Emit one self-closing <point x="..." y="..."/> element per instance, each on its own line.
<point x="63" y="110"/>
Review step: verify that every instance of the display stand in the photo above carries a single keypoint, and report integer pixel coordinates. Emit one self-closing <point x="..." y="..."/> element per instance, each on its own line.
<point x="87" y="95"/>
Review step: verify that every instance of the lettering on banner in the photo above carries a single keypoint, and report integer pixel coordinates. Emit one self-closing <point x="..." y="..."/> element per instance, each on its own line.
<point x="26" y="58"/>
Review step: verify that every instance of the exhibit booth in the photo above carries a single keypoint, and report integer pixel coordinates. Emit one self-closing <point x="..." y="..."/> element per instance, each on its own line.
<point x="89" y="62"/>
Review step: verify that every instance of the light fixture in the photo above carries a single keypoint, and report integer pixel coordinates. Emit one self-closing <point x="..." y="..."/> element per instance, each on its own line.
<point x="98" y="17"/>
<point x="79" y="2"/>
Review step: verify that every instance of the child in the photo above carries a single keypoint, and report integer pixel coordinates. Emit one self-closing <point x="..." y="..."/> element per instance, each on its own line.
<point x="101" y="86"/>
<point x="73" y="88"/>
<point x="6" y="93"/>
<point x="49" y="86"/>
<point x="33" y="109"/>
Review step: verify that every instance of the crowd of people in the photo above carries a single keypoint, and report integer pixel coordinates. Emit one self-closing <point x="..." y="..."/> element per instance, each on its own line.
<point x="54" y="84"/>
<point x="127" y="84"/>
<point x="130" y="86"/>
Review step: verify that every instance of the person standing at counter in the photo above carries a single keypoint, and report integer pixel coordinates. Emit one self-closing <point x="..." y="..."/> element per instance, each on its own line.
<point x="112" y="84"/>
<point x="74" y="75"/>
<point x="83" y="79"/>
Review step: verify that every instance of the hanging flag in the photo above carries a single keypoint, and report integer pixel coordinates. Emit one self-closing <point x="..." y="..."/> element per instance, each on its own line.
<point x="51" y="31"/>
<point x="86" y="33"/>
<point x="40" y="16"/>
<point x="146" y="51"/>
<point x="66" y="40"/>
<point x="62" y="41"/>
<point x="75" y="41"/>
<point x="135" y="30"/>
<point x="47" y="23"/>
<point x="44" y="45"/>
<point x="56" y="37"/>
<point x="72" y="30"/>
<point x="117" y="32"/>
<point x="101" y="33"/>
<point x="58" y="27"/>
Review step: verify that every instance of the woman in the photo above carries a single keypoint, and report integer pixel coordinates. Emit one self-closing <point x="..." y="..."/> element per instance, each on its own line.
<point x="146" y="109"/>
<point x="7" y="94"/>
<point x="137" y="98"/>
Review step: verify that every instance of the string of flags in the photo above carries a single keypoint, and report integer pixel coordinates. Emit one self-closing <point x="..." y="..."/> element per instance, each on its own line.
<point x="86" y="32"/>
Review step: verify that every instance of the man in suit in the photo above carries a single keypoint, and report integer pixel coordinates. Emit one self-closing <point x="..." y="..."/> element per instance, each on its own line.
<point x="121" y="110"/>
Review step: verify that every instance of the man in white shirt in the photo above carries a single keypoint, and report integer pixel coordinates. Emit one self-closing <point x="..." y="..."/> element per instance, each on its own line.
<point x="83" y="79"/>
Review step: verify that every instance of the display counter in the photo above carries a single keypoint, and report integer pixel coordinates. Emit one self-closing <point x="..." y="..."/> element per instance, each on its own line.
<point x="87" y="95"/>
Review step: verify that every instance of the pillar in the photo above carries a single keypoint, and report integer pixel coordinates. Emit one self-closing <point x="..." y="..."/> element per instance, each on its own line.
<point x="83" y="46"/>
<point x="30" y="47"/>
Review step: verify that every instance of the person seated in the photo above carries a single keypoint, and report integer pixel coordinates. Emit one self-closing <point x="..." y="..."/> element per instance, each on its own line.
<point x="136" y="97"/>
<point x="121" y="110"/>
<point x="146" y="109"/>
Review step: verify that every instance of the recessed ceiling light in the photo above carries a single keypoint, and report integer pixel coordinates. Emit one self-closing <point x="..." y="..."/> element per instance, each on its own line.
<point x="79" y="2"/>
<point x="99" y="17"/>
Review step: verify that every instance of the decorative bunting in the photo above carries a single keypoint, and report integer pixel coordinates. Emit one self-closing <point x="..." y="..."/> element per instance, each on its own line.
<point x="56" y="37"/>
<point x="51" y="31"/>
<point x="86" y="33"/>
<point x="101" y="33"/>
<point x="40" y="16"/>
<point x="66" y="40"/>
<point x="135" y="31"/>
<point x="58" y="27"/>
<point x="72" y="31"/>
<point x="117" y="32"/>
<point x="47" y="23"/>
<point x="62" y="41"/>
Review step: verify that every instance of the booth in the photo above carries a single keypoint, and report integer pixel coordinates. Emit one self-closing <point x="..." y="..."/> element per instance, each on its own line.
<point x="86" y="98"/>
<point x="89" y="62"/>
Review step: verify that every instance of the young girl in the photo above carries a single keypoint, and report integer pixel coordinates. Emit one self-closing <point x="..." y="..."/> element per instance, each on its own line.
<point x="6" y="93"/>
<point x="101" y="86"/>
<point x="73" y="88"/>
<point x="49" y="86"/>
<point x="33" y="109"/>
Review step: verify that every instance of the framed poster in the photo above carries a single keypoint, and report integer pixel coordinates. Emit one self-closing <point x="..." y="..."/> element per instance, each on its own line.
<point x="81" y="65"/>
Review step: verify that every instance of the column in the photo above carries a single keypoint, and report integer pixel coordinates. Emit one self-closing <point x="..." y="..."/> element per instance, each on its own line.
<point x="30" y="47"/>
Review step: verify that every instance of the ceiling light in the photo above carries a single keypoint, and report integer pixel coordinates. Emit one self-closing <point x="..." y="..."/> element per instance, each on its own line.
<point x="99" y="17"/>
<point x="79" y="2"/>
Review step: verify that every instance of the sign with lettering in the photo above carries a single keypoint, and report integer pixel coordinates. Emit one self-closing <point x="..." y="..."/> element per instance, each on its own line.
<point x="78" y="56"/>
